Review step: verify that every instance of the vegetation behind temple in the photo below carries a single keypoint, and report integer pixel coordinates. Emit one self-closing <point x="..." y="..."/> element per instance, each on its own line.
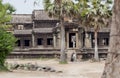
<point x="7" y="40"/>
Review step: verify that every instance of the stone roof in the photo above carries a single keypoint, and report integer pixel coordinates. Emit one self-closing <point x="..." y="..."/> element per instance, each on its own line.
<point x="22" y="32"/>
<point x="28" y="18"/>
<point x="41" y="15"/>
<point x="21" y="18"/>
<point x="43" y="30"/>
<point x="36" y="30"/>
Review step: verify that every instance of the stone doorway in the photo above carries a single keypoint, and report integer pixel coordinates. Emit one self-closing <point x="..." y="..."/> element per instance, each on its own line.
<point x="72" y="40"/>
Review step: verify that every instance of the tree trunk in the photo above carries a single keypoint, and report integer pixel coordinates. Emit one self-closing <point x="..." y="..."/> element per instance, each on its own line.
<point x="96" y="58"/>
<point x="63" y="55"/>
<point x="112" y="65"/>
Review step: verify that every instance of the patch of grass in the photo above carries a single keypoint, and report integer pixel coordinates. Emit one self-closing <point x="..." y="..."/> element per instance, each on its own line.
<point x="3" y="69"/>
<point x="65" y="62"/>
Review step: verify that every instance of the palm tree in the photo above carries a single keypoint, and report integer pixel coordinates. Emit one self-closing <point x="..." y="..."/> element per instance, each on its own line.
<point x="94" y="14"/>
<point x="99" y="15"/>
<point x="90" y="14"/>
<point x="60" y="9"/>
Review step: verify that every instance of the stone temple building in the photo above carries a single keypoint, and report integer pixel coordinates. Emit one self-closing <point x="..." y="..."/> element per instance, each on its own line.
<point x="39" y="36"/>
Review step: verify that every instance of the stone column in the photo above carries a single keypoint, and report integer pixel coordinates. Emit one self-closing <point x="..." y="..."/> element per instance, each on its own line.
<point x="87" y="40"/>
<point x="90" y="39"/>
<point x="59" y="41"/>
<point x="33" y="40"/>
<point x="77" y="40"/>
<point x="67" y="40"/>
<point x="80" y="40"/>
<point x="45" y="40"/>
<point x="54" y="40"/>
<point x="22" y="42"/>
<point x="33" y="36"/>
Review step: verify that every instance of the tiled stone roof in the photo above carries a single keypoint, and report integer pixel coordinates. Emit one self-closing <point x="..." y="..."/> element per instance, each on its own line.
<point x="41" y="15"/>
<point x="21" y="18"/>
<point x="43" y="30"/>
<point x="22" y="32"/>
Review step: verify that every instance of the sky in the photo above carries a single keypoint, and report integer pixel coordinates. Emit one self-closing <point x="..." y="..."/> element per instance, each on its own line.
<point x="25" y="6"/>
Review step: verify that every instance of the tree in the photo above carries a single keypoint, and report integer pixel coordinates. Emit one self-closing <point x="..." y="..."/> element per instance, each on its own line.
<point x="7" y="40"/>
<point x="90" y="14"/>
<point x="60" y="9"/>
<point x="94" y="14"/>
<point x="112" y="65"/>
<point x="5" y="14"/>
<point x="7" y="43"/>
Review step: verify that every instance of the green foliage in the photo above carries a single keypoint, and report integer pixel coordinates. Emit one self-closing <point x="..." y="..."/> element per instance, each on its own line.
<point x="5" y="14"/>
<point x="89" y="13"/>
<point x="55" y="7"/>
<point x="95" y="13"/>
<point x="7" y="42"/>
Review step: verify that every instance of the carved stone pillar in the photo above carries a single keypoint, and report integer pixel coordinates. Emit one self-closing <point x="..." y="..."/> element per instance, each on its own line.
<point x="67" y="37"/>
<point x="54" y="40"/>
<point x="33" y="40"/>
<point x="80" y="40"/>
<point x="87" y="40"/>
<point x="77" y="41"/>
<point x="58" y="40"/>
<point x="33" y="36"/>
<point x="22" y="42"/>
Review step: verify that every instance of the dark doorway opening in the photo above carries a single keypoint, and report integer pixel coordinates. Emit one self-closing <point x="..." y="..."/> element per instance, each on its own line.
<point x="72" y="37"/>
<point x="18" y="43"/>
<point x="49" y="41"/>
<point x="26" y="42"/>
<point x="39" y="41"/>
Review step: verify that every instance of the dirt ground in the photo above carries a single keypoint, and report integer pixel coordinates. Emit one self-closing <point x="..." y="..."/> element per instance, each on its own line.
<point x="83" y="69"/>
